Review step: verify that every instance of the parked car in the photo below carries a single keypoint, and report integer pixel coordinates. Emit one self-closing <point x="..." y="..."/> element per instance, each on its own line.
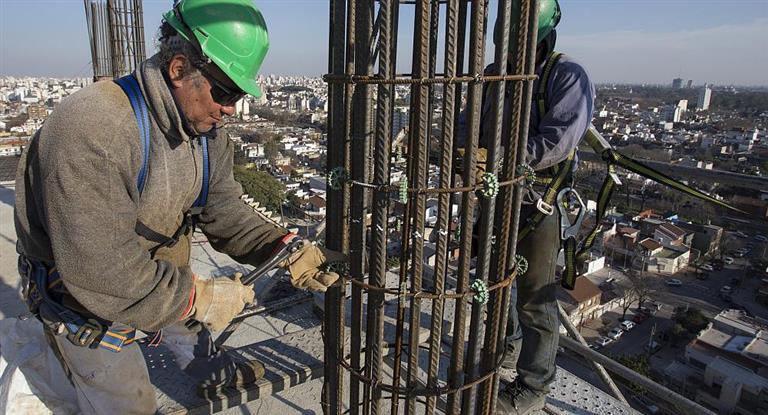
<point x="728" y="260"/>
<point x="674" y="282"/>
<point x="707" y="267"/>
<point x="761" y="238"/>
<point x="726" y="289"/>
<point x="602" y="342"/>
<point x="627" y="325"/>
<point x="615" y="333"/>
<point x="639" y="318"/>
<point x="740" y="234"/>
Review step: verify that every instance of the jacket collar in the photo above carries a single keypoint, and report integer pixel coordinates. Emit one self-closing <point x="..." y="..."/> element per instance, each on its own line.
<point x="166" y="112"/>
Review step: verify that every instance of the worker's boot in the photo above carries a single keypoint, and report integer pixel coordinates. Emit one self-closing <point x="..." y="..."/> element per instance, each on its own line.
<point x="240" y="374"/>
<point x="517" y="399"/>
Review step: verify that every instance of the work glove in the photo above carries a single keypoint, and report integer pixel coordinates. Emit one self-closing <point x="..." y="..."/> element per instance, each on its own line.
<point x="219" y="299"/>
<point x="481" y="156"/>
<point x="308" y="267"/>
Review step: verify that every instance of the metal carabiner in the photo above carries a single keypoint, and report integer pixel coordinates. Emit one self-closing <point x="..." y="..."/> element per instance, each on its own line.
<point x="570" y="229"/>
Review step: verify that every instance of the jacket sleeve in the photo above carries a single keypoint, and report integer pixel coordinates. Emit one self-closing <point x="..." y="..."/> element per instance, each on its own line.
<point x="231" y="226"/>
<point x="571" y="102"/>
<point x="89" y="205"/>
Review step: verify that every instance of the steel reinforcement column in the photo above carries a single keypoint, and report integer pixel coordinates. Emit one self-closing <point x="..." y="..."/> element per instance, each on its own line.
<point x="387" y="367"/>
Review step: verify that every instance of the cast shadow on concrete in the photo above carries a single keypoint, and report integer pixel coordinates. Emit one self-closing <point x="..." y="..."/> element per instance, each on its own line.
<point x="7" y="195"/>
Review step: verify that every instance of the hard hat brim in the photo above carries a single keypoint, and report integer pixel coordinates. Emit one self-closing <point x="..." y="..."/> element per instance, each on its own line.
<point x="249" y="86"/>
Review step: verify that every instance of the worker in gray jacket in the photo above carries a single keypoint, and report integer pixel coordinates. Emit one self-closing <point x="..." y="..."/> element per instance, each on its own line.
<point x="560" y="115"/>
<point x="106" y="196"/>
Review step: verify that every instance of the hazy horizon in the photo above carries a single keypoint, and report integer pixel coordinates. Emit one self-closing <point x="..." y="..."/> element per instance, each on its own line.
<point x="620" y="41"/>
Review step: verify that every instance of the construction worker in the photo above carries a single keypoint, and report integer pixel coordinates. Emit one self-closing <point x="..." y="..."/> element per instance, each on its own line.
<point x="560" y="115"/>
<point x="106" y="196"/>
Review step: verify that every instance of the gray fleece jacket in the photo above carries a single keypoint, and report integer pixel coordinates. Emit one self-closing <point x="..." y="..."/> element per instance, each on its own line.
<point x="77" y="203"/>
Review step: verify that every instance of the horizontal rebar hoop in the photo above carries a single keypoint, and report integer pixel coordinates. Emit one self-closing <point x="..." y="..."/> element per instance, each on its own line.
<point x="367" y="80"/>
<point x="417" y="392"/>
<point x="429" y="294"/>
<point x="431" y="190"/>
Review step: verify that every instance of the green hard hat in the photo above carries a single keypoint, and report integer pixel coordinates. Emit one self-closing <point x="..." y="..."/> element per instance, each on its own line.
<point x="549" y="17"/>
<point x="231" y="33"/>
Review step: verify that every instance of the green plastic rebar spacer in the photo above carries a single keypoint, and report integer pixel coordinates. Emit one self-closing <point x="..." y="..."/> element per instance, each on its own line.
<point x="481" y="291"/>
<point x="336" y="178"/>
<point x="490" y="186"/>
<point x="522" y="264"/>
<point x="403" y="191"/>
<point x="528" y="172"/>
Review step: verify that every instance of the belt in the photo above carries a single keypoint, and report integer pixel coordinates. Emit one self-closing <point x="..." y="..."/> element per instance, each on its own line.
<point x="81" y="331"/>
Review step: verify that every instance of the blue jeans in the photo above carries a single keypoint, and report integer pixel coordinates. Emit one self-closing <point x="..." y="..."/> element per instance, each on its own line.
<point x="533" y="309"/>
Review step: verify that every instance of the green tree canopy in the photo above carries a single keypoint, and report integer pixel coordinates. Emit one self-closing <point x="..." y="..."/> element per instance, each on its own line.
<point x="260" y="185"/>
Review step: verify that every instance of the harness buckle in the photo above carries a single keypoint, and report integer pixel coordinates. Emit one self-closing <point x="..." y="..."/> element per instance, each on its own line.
<point x="570" y="229"/>
<point x="545" y="207"/>
<point x="88" y="334"/>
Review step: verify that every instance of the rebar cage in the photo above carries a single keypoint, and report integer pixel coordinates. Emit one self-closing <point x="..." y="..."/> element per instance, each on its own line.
<point x="116" y="35"/>
<point x="429" y="334"/>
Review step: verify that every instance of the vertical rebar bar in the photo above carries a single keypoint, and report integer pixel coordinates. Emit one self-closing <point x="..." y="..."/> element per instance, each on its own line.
<point x="362" y="26"/>
<point x="418" y="165"/>
<point x="474" y="98"/>
<point x="380" y="208"/>
<point x="333" y="317"/>
<point x="495" y="97"/>
<point x="525" y="13"/>
<point x="444" y="199"/>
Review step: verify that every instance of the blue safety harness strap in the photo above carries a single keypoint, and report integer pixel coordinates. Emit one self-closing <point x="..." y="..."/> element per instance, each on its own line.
<point x="130" y="86"/>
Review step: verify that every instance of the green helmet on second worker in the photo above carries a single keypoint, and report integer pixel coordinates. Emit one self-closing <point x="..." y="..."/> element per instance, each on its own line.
<point x="549" y="17"/>
<point x="231" y="33"/>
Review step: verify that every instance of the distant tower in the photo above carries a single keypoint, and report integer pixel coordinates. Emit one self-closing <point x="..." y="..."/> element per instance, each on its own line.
<point x="690" y="84"/>
<point x="705" y="95"/>
<point x="677" y="83"/>
<point x="116" y="34"/>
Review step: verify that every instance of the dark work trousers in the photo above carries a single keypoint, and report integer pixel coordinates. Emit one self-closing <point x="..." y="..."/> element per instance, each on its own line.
<point x="533" y="309"/>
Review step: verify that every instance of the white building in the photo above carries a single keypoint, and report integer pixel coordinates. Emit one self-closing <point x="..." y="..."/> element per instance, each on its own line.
<point x="705" y="95"/>
<point x="726" y="367"/>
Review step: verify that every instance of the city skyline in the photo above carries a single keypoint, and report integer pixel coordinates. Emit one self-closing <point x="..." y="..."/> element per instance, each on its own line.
<point x="624" y="41"/>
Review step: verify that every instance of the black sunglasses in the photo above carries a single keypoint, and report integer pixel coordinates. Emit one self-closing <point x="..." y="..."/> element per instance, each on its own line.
<point x="221" y="93"/>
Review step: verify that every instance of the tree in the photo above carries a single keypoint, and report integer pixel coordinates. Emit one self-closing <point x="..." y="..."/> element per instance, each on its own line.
<point x="629" y="297"/>
<point x="643" y="286"/>
<point x="264" y="188"/>
<point x="638" y="363"/>
<point x="271" y="150"/>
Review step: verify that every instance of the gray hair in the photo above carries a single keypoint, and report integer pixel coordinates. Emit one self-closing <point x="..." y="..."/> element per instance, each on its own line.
<point x="170" y="44"/>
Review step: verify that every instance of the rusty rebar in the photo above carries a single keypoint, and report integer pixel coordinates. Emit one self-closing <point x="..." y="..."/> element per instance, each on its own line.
<point x="360" y="141"/>
<point x="474" y="102"/>
<point x="333" y="317"/>
<point x="524" y="52"/>
<point x="380" y="208"/>
<point x="444" y="201"/>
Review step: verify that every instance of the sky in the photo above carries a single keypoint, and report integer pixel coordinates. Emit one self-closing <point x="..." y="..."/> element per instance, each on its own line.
<point x="626" y="41"/>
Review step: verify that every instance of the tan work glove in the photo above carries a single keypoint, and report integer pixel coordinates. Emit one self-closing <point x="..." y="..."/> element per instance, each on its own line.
<point x="306" y="267"/>
<point x="481" y="157"/>
<point x="219" y="299"/>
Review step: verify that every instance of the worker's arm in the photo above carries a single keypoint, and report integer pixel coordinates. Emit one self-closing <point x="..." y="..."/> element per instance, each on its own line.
<point x="571" y="102"/>
<point x="90" y="156"/>
<point x="232" y="227"/>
